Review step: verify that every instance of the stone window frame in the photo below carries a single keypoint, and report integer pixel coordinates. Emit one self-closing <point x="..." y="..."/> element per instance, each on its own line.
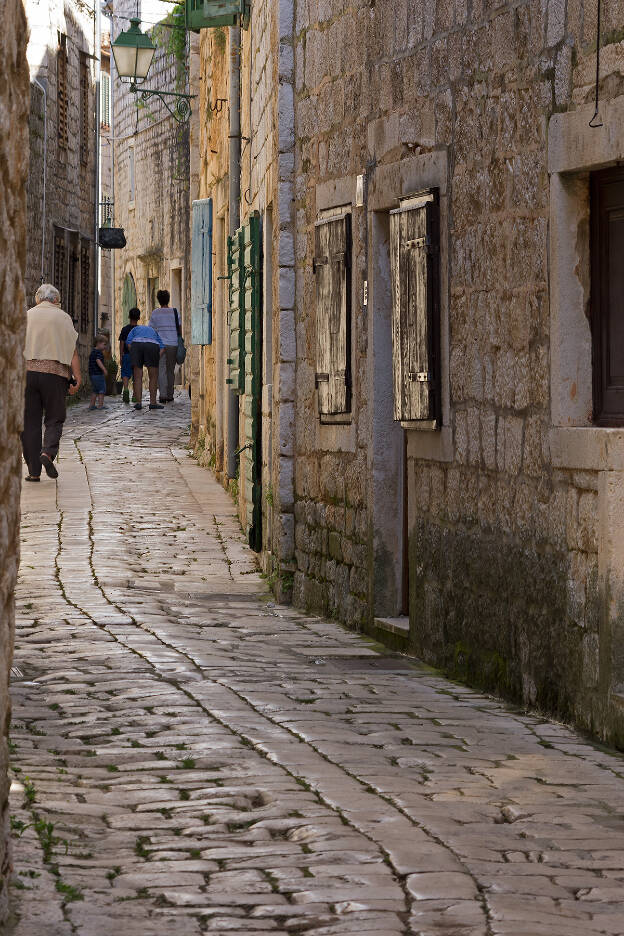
<point x="574" y="151"/>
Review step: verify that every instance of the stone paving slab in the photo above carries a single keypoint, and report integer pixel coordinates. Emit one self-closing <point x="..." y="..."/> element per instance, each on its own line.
<point x="189" y="757"/>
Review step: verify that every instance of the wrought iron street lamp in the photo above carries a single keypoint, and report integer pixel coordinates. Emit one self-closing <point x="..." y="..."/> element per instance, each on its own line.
<point x="133" y="52"/>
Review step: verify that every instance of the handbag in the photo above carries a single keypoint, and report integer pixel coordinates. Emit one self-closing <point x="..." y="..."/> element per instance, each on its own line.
<point x="181" y="349"/>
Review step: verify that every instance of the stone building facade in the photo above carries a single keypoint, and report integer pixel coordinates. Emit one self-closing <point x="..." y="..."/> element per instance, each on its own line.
<point x="62" y="176"/>
<point x="14" y="101"/>
<point x="263" y="472"/>
<point x="151" y="178"/>
<point x="488" y="539"/>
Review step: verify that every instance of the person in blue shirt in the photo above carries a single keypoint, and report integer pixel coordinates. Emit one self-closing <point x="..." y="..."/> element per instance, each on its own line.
<point x="146" y="347"/>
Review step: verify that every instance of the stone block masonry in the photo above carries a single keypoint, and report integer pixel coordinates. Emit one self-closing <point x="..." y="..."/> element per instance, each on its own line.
<point x="14" y="107"/>
<point x="512" y="555"/>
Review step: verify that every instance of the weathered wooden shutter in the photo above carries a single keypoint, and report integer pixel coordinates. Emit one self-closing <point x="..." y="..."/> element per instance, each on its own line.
<point x="236" y="273"/>
<point x="252" y="325"/>
<point x="414" y="256"/>
<point x="245" y="360"/>
<point x="61" y="91"/>
<point x="332" y="268"/>
<point x="201" y="273"/>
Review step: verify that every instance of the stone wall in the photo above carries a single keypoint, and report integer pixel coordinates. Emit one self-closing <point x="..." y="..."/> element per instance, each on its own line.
<point x="69" y="181"/>
<point x="505" y="588"/>
<point x="14" y="102"/>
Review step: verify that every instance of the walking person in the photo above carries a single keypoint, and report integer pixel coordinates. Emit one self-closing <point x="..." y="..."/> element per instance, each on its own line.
<point x="166" y="322"/>
<point x="52" y="369"/>
<point x="146" y="349"/>
<point x="97" y="373"/>
<point x="124" y="352"/>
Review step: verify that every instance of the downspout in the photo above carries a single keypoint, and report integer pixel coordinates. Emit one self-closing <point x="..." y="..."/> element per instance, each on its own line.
<point x="234" y="209"/>
<point x="97" y="49"/>
<point x="45" y="173"/>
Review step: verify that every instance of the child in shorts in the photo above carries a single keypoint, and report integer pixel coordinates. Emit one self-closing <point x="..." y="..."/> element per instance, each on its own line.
<point x="97" y="374"/>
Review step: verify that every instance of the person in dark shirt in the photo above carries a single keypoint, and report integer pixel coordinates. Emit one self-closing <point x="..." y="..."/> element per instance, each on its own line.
<point x="97" y="373"/>
<point x="124" y="352"/>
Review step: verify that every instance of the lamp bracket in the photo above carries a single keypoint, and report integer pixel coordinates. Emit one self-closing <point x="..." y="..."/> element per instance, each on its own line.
<point x="180" y="109"/>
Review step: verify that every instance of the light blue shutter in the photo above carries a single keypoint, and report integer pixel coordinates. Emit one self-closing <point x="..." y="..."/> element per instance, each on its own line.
<point x="201" y="273"/>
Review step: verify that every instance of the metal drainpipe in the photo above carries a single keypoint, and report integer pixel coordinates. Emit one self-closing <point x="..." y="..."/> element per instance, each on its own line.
<point x="97" y="49"/>
<point x="45" y="173"/>
<point x="234" y="208"/>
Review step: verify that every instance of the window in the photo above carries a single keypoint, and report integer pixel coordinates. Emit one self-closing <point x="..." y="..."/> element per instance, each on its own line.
<point x="105" y="100"/>
<point x="607" y="295"/>
<point x="85" y="278"/>
<point x="61" y="91"/>
<point x="85" y="123"/>
<point x="60" y="263"/>
<point x="332" y="270"/>
<point x="414" y="265"/>
<point x="131" y="173"/>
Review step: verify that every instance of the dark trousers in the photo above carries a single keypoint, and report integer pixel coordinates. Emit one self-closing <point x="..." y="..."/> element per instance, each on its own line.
<point x="45" y="400"/>
<point x="166" y="372"/>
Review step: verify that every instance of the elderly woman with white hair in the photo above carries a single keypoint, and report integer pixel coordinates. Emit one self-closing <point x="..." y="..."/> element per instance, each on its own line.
<point x="52" y="368"/>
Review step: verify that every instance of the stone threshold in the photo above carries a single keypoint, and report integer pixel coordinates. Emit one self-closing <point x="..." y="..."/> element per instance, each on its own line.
<point x="393" y="632"/>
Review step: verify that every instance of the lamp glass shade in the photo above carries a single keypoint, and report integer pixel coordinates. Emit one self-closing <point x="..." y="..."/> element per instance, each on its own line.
<point x="133" y="52"/>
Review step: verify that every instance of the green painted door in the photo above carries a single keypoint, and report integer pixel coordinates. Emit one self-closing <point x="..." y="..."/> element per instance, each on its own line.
<point x="245" y="315"/>
<point x="128" y="297"/>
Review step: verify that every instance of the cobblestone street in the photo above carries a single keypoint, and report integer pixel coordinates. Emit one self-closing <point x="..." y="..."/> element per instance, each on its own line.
<point x="189" y="757"/>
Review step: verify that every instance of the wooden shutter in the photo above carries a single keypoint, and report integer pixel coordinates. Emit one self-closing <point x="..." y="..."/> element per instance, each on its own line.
<point x="85" y="281"/>
<point x="607" y="295"/>
<point x="201" y="273"/>
<point x="332" y="269"/>
<point x="61" y="90"/>
<point x="251" y="308"/>
<point x="60" y="264"/>
<point x="105" y="101"/>
<point x="236" y="273"/>
<point x="414" y="259"/>
<point x="85" y="123"/>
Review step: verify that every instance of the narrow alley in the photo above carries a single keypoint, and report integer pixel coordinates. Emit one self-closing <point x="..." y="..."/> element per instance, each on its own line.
<point x="189" y="757"/>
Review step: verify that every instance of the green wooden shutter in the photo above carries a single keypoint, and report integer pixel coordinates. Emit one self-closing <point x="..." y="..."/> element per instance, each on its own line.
<point x="414" y="264"/>
<point x="205" y="14"/>
<point x="235" y="314"/>
<point x="332" y="268"/>
<point x="201" y="273"/>
<point x="245" y="327"/>
<point x="252" y="325"/>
